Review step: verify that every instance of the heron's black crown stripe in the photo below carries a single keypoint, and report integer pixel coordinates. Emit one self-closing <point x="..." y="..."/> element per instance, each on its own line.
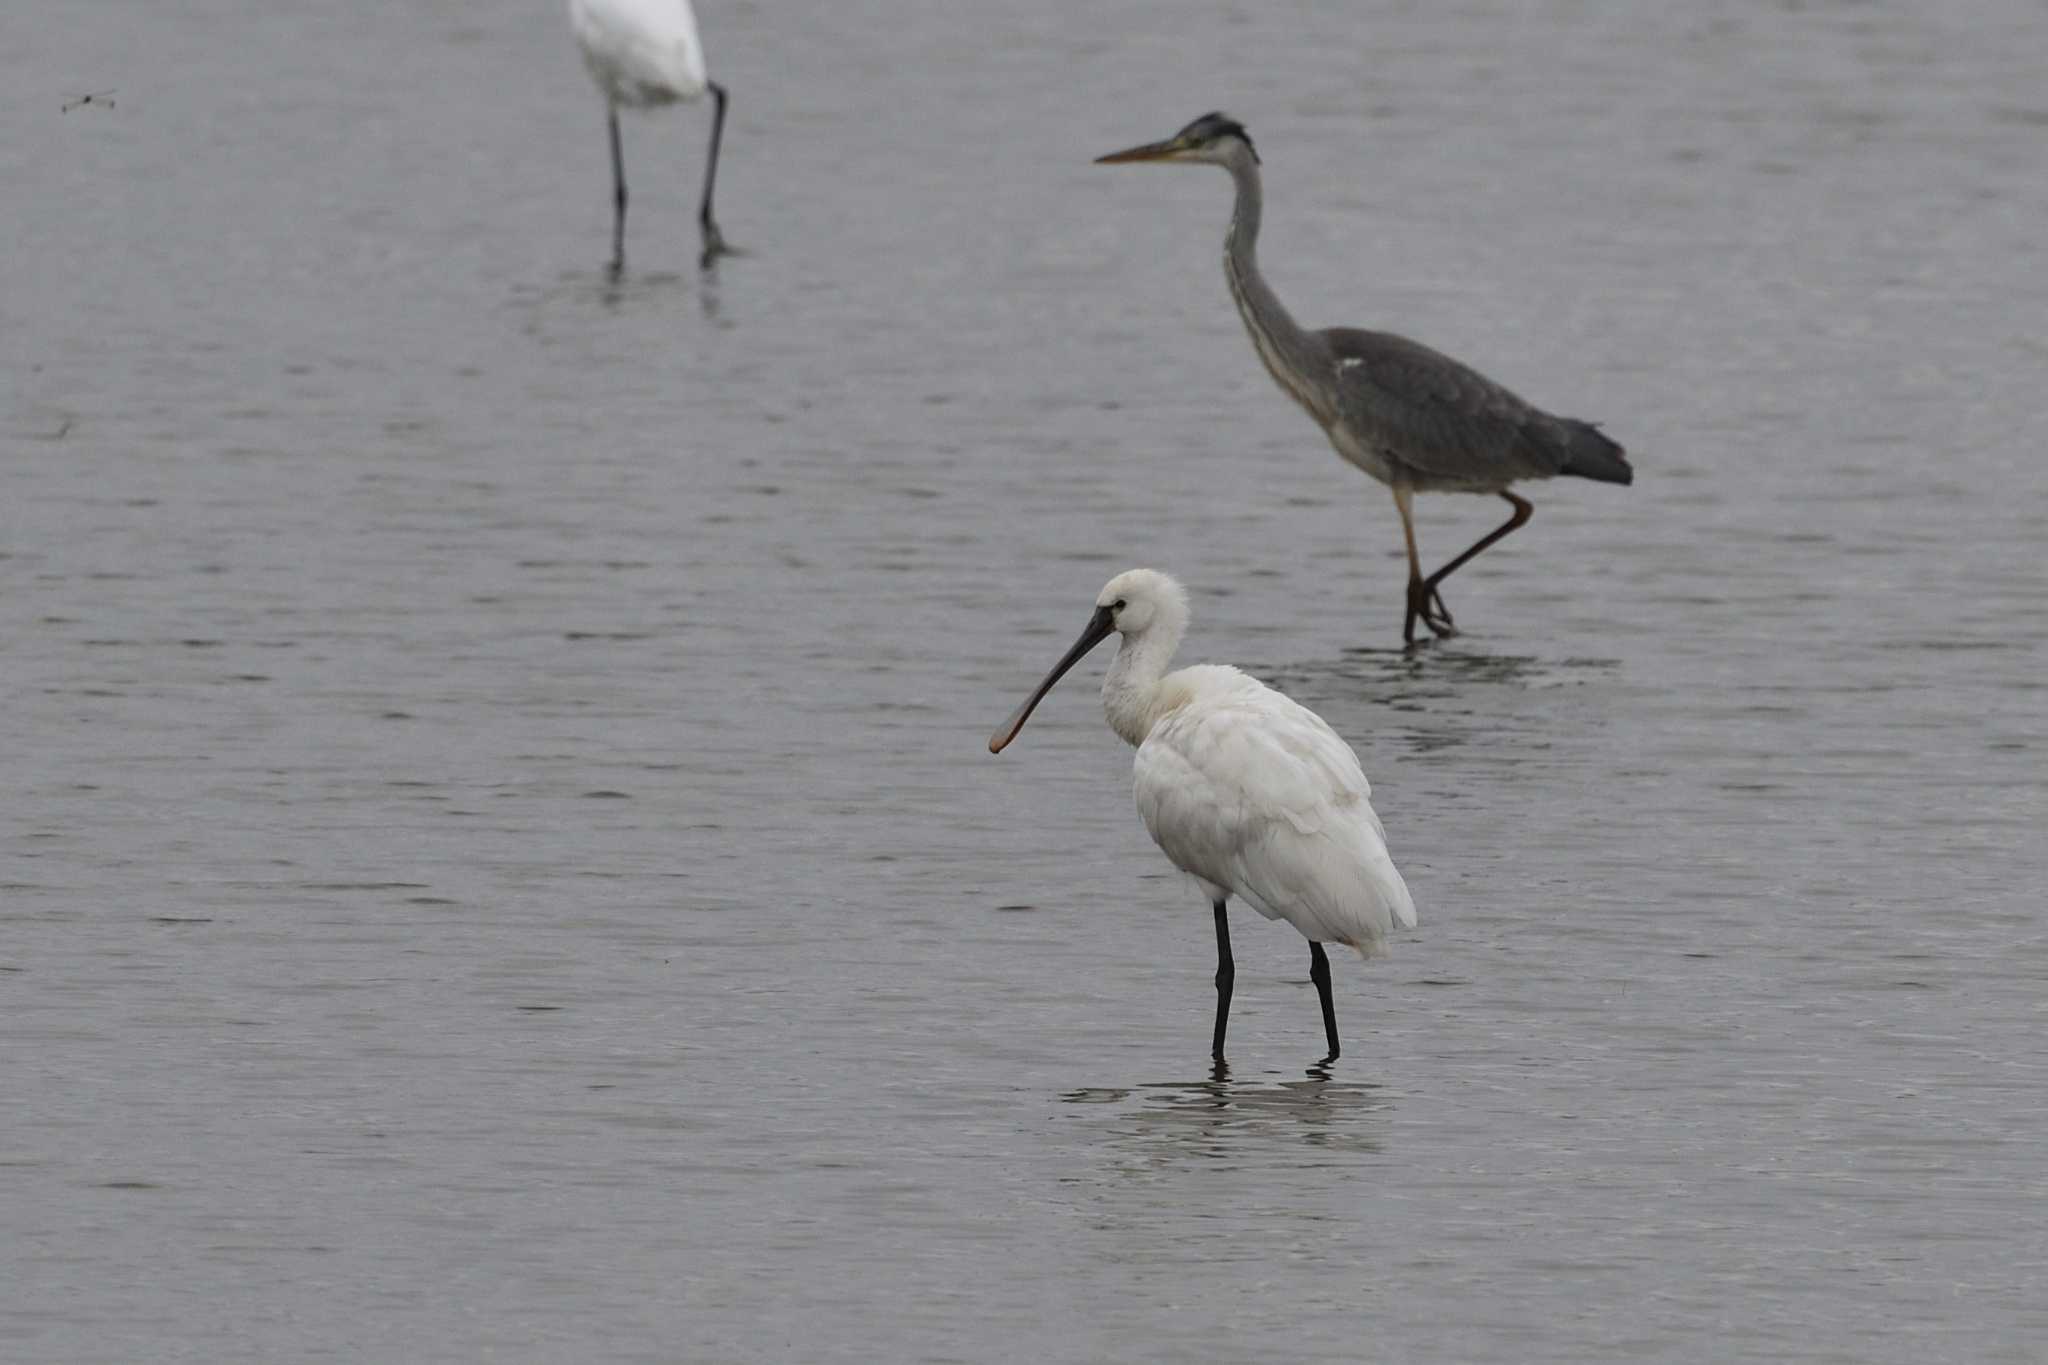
<point x="1217" y="124"/>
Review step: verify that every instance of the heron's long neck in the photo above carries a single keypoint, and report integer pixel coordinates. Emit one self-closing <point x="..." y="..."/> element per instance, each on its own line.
<point x="1290" y="354"/>
<point x="1130" y="692"/>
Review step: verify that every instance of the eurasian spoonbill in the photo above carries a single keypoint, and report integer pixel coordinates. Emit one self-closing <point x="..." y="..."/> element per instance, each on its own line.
<point x="1243" y="789"/>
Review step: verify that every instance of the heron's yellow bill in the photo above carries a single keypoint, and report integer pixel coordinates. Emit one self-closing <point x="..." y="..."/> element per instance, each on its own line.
<point x="1150" y="151"/>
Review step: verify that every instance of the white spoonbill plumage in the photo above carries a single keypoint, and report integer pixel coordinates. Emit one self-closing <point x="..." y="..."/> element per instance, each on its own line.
<point x="643" y="54"/>
<point x="1413" y="418"/>
<point x="1245" y="790"/>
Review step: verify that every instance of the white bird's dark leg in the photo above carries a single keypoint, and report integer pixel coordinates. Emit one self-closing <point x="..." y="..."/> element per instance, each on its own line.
<point x="1319" y="972"/>
<point x="714" y="240"/>
<point x="1524" y="509"/>
<point x="1226" y="976"/>
<point x="618" y="195"/>
<point x="1437" y="618"/>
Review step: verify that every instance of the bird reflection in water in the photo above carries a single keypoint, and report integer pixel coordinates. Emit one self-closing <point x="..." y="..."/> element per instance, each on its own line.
<point x="1443" y="698"/>
<point x="1221" y="1116"/>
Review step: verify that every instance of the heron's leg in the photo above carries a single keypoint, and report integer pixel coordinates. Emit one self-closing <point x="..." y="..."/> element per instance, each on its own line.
<point x="1524" y="509"/>
<point x="1226" y="975"/>
<point x="618" y="195"/>
<point x="1435" y="616"/>
<point x="714" y="240"/>
<point x="1319" y="972"/>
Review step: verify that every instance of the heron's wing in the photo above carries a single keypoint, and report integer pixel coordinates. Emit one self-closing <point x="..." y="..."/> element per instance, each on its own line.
<point x="1440" y="417"/>
<point x="1255" y="794"/>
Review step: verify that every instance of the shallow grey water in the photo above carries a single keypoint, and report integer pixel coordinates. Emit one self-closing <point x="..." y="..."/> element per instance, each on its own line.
<point x="500" y="858"/>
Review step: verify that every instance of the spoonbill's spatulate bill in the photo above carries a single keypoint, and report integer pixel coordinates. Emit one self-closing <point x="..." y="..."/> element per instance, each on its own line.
<point x="1415" y="419"/>
<point x="643" y="54"/>
<point x="1243" y="789"/>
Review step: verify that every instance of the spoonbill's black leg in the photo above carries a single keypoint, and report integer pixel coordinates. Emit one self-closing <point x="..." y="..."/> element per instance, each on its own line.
<point x="1319" y="972"/>
<point x="714" y="240"/>
<point x="618" y="197"/>
<point x="1226" y="976"/>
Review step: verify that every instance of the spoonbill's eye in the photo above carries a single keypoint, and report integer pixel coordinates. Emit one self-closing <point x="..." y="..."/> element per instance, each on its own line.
<point x="1118" y="605"/>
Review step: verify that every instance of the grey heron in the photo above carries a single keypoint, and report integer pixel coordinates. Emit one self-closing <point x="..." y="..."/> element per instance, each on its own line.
<point x="644" y="54"/>
<point x="1413" y="418"/>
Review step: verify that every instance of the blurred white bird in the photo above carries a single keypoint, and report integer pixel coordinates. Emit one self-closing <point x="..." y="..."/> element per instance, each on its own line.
<point x="642" y="54"/>
<point x="1245" y="790"/>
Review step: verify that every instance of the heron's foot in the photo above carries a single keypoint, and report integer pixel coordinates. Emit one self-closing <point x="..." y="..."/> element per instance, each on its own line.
<point x="1426" y="604"/>
<point x="1443" y="613"/>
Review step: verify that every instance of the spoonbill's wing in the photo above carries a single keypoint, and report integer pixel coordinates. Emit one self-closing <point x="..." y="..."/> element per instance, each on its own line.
<point x="1254" y="793"/>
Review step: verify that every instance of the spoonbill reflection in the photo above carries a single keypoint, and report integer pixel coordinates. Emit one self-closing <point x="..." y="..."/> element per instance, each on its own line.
<point x="1243" y="789"/>
<point x="643" y="54"/>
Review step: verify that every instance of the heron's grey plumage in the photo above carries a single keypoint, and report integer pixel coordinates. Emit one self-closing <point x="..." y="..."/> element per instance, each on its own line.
<point x="1447" y="428"/>
<point x="1412" y="417"/>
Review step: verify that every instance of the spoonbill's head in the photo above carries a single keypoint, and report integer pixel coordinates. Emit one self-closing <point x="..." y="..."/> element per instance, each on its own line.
<point x="1213" y="138"/>
<point x="1136" y="599"/>
<point x="1131" y="604"/>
